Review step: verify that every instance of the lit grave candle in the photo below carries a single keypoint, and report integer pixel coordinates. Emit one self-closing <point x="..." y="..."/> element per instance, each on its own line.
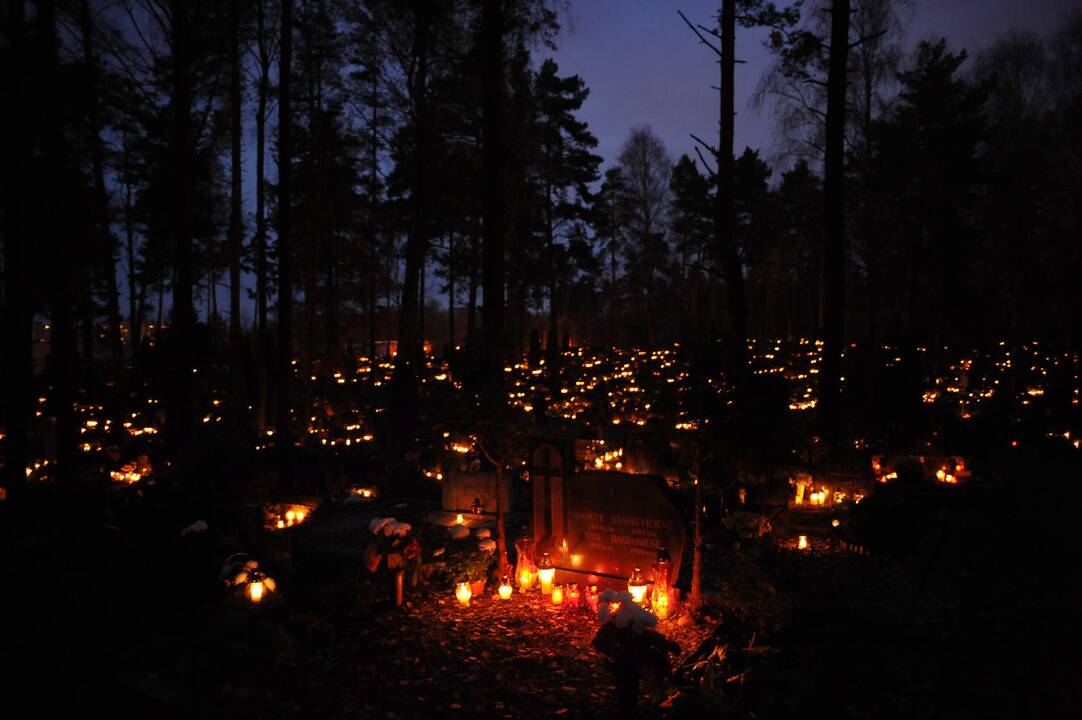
<point x="505" y="588"/>
<point x="255" y="591"/>
<point x="463" y="593"/>
<point x="636" y="585"/>
<point x="591" y="598"/>
<point x="546" y="573"/>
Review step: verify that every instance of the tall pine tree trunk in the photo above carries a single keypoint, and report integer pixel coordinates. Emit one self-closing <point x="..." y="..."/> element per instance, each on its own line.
<point x="330" y="301"/>
<point x="101" y="197"/>
<point x="612" y="277"/>
<point x="695" y="600"/>
<point x="63" y="359"/>
<point x="408" y="340"/>
<point x="451" y="290"/>
<point x="237" y="400"/>
<point x="16" y="361"/>
<point x="493" y="204"/>
<point x="283" y="368"/>
<point x="323" y="204"/>
<point x="421" y="300"/>
<point x="373" y="199"/>
<point x="261" y="271"/>
<point x="235" y="205"/>
<point x="834" y="224"/>
<point x="725" y="217"/>
<point x="471" y="293"/>
<point x="180" y="405"/>
<point x="311" y="239"/>
<point x="372" y="294"/>
<point x="552" y="348"/>
<point x="134" y="315"/>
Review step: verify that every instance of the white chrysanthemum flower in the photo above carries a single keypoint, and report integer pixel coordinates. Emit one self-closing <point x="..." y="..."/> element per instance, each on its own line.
<point x="482" y="533"/>
<point x="459" y="532"/>
<point x="629" y="611"/>
<point x="438" y="551"/>
<point x="488" y="545"/>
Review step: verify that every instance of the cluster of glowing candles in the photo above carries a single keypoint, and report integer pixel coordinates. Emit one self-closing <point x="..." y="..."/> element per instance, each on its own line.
<point x="571" y="596"/>
<point x="291" y="518"/>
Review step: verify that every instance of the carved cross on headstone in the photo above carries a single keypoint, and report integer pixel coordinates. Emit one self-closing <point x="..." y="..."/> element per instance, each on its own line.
<point x="547" y="473"/>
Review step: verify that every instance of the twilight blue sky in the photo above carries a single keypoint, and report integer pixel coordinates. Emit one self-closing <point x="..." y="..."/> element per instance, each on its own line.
<point x="643" y="65"/>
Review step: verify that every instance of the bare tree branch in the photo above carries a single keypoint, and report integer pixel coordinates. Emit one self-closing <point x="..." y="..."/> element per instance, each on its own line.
<point x="699" y="34"/>
<point x="708" y="146"/>
<point x="867" y="38"/>
<point x="713" y="173"/>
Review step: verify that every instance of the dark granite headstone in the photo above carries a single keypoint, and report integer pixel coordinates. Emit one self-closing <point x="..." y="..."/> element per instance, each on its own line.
<point x="614" y="522"/>
<point x="460" y="487"/>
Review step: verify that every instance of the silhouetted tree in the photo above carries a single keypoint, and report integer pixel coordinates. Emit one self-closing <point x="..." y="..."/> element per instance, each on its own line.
<point x="647" y="167"/>
<point x="609" y="219"/>
<point x="565" y="166"/>
<point x="692" y="227"/>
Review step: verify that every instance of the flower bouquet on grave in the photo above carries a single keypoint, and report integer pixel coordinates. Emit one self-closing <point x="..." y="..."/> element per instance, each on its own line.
<point x="471" y="561"/>
<point x="394" y="548"/>
<point x="628" y="638"/>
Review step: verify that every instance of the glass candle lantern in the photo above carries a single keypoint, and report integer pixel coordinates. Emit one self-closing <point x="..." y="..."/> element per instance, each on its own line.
<point x="525" y="570"/>
<point x="505" y="588"/>
<point x="802" y="542"/>
<point x="636" y="585"/>
<point x="660" y="596"/>
<point x="573" y="596"/>
<point x="546" y="573"/>
<point x="256" y="587"/>
<point x="463" y="593"/>
<point x="558" y="595"/>
<point x="661" y="603"/>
